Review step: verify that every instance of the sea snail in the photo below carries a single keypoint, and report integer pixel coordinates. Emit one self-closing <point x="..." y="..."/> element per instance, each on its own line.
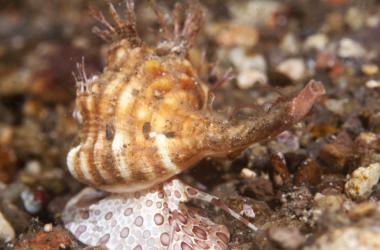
<point x="147" y="117"/>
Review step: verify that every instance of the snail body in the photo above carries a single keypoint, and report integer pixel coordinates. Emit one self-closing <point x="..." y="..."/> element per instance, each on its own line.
<point x="146" y="118"/>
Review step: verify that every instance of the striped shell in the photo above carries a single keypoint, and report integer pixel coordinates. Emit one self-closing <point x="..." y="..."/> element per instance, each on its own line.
<point x="139" y="121"/>
<point x="146" y="118"/>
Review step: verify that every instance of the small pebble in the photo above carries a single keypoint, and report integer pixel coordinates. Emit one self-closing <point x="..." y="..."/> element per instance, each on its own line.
<point x="286" y="142"/>
<point x="248" y="78"/>
<point x="7" y="233"/>
<point x="293" y="68"/>
<point x="317" y="41"/>
<point x="362" y="210"/>
<point x="373" y="21"/>
<point x="337" y="154"/>
<point x="326" y="60"/>
<point x="33" y="168"/>
<point x="280" y="172"/>
<point x="247" y="173"/>
<point x="34" y="200"/>
<point x="243" y="62"/>
<point x="30" y="204"/>
<point x="48" y="227"/>
<point x="290" y="44"/>
<point x="287" y="237"/>
<point x="370" y="69"/>
<point x="355" y="18"/>
<point x="330" y="203"/>
<point x="248" y="211"/>
<point x="349" y="48"/>
<point x="6" y="135"/>
<point x="362" y="180"/>
<point x="372" y="84"/>
<point x="366" y="141"/>
<point x="348" y="238"/>
<point x="258" y="13"/>
<point x="308" y="173"/>
<point x="234" y="35"/>
<point x="336" y="106"/>
<point x="8" y="162"/>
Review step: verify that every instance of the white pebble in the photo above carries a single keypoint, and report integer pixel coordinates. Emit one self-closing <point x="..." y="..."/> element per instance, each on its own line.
<point x="362" y="180"/>
<point x="371" y="84"/>
<point x="337" y="106"/>
<point x="373" y="21"/>
<point x="243" y="62"/>
<point x="248" y="78"/>
<point x="31" y="204"/>
<point x="293" y="68"/>
<point x="349" y="48"/>
<point x="317" y="41"/>
<point x="7" y="233"/>
<point x="48" y="227"/>
<point x="355" y="18"/>
<point x="33" y="168"/>
<point x="256" y="13"/>
<point x="246" y="173"/>
<point x="290" y="44"/>
<point x="248" y="211"/>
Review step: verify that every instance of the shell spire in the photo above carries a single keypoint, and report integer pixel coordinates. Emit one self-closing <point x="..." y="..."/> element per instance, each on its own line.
<point x="146" y="118"/>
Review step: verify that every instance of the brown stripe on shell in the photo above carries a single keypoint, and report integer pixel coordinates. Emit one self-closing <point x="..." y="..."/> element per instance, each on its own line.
<point x="77" y="169"/>
<point x="89" y="134"/>
<point x="122" y="121"/>
<point x="84" y="112"/>
<point x="162" y="122"/>
<point x="153" y="159"/>
<point x="82" y="107"/>
<point x="87" y="167"/>
<point x="105" y="105"/>
<point x="156" y="83"/>
<point x="122" y="126"/>
<point x="117" y="82"/>
<point x="138" y="174"/>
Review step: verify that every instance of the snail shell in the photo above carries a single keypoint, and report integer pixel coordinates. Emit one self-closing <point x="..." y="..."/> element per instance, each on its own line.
<point x="146" y="118"/>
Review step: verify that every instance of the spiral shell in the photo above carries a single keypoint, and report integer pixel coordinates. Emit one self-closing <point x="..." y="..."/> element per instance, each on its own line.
<point x="146" y="118"/>
<point x="138" y="115"/>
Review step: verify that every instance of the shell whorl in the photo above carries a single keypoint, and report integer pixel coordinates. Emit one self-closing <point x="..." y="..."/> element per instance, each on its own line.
<point x="139" y="122"/>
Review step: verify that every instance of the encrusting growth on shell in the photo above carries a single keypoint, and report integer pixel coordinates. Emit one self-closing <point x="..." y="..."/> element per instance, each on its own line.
<point x="145" y="119"/>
